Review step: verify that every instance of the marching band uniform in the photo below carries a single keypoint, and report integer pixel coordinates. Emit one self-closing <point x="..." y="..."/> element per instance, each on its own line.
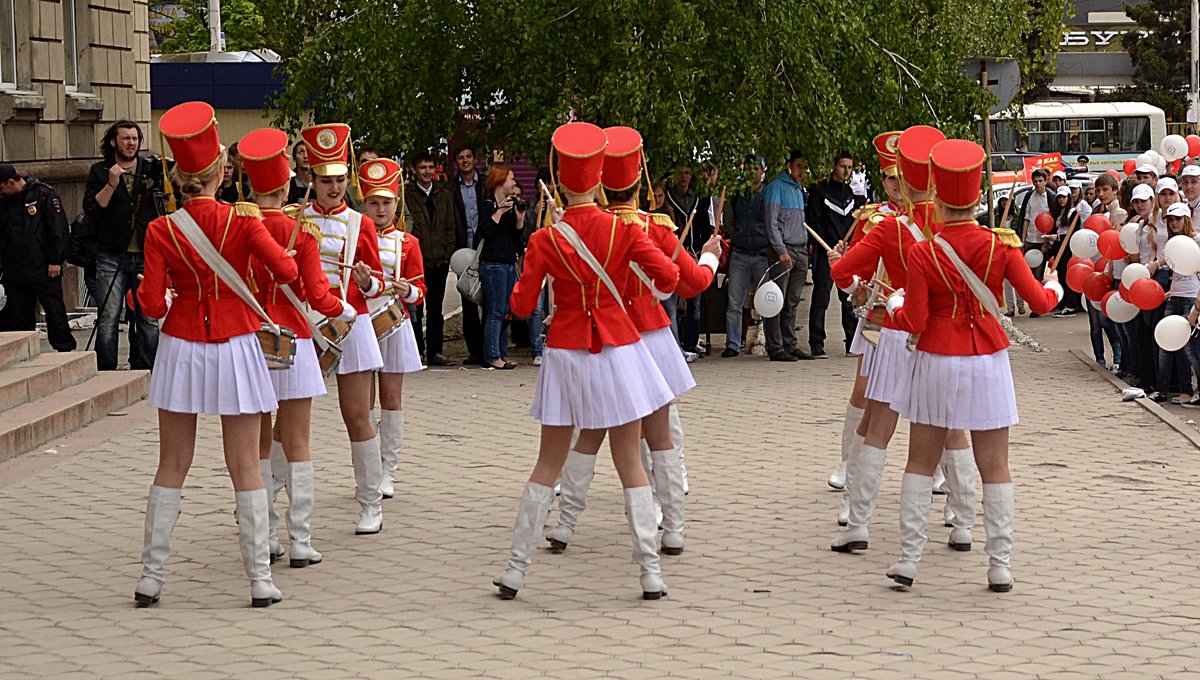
<point x="595" y="373"/>
<point x="622" y="171"/>
<point x="400" y="254"/>
<point x="209" y="359"/>
<point x="961" y="377"/>
<point x="265" y="158"/>
<point x="327" y="147"/>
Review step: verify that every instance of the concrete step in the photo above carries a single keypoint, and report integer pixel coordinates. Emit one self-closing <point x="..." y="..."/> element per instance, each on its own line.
<point x="19" y="346"/>
<point x="44" y="374"/>
<point x="33" y="424"/>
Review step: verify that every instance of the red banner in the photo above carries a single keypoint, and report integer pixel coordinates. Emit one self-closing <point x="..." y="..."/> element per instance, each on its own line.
<point x="1050" y="162"/>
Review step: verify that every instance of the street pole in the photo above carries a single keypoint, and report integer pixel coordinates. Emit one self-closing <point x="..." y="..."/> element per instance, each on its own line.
<point x="987" y="147"/>
<point x="214" y="25"/>
<point x="1195" y="70"/>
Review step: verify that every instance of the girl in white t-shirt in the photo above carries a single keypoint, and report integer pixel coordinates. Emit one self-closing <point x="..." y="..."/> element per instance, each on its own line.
<point x="1175" y="367"/>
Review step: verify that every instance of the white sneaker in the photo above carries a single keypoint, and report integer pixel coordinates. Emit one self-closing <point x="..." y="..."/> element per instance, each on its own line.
<point x="690" y="357"/>
<point x="537" y="361"/>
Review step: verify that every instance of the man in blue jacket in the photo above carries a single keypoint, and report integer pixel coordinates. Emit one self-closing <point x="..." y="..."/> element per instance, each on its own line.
<point x="783" y="215"/>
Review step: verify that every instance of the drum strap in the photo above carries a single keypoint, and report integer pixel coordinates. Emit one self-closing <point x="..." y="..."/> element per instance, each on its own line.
<point x="977" y="286"/>
<point x="586" y="255"/>
<point x="351" y="250"/>
<point x="318" y="338"/>
<point x="220" y="266"/>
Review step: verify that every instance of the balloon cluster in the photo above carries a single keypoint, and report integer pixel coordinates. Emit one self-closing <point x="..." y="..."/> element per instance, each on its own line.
<point x="1182" y="255"/>
<point x="1174" y="149"/>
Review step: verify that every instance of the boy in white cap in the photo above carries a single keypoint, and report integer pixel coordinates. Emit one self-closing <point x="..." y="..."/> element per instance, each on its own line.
<point x="1189" y="183"/>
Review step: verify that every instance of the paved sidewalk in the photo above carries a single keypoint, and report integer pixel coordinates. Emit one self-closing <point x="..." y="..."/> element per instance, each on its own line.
<point x="1104" y="560"/>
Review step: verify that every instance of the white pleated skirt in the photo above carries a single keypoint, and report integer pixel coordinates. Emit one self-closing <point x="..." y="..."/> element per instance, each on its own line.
<point x="669" y="358"/>
<point x="303" y="380"/>
<point x="360" y="350"/>
<point x="859" y="344"/>
<point x="597" y="391"/>
<point x="399" y="350"/>
<point x="960" y="392"/>
<point x="891" y="366"/>
<point x="214" y="378"/>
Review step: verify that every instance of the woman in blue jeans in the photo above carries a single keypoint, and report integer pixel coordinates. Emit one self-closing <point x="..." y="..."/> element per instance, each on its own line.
<point x="1174" y="367"/>
<point x="499" y="238"/>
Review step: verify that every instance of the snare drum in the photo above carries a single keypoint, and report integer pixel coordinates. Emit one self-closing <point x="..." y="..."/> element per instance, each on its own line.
<point x="328" y="358"/>
<point x="334" y="330"/>
<point x="873" y="322"/>
<point x="278" y="349"/>
<point x="387" y="315"/>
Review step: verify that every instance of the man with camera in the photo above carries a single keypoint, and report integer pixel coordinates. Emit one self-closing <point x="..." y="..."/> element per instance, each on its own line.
<point x="122" y="196"/>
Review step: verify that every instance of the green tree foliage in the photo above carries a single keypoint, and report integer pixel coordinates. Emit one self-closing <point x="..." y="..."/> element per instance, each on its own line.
<point x="701" y="79"/>
<point x="1041" y="35"/>
<point x="240" y="21"/>
<point x="1159" y="52"/>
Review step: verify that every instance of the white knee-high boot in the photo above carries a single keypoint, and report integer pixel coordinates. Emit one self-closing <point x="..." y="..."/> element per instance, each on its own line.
<point x="299" y="515"/>
<point x="961" y="500"/>
<point x="279" y="471"/>
<point x="368" y="475"/>
<point x="391" y="440"/>
<point x="275" y="550"/>
<point x="639" y="511"/>
<point x="916" y="495"/>
<point x="527" y="530"/>
<point x="854" y="416"/>
<point x="252" y="539"/>
<point x="162" y="510"/>
<point x="998" y="512"/>
<point x="856" y="443"/>
<point x="668" y="490"/>
<point x="574" y="482"/>
<point x="866" y="474"/>
<point x="678" y="440"/>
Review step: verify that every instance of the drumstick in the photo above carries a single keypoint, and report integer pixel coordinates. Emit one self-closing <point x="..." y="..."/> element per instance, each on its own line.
<point x="686" y="228"/>
<point x="819" y="239"/>
<point x="347" y="264"/>
<point x="1063" y="244"/>
<point x="720" y="211"/>
<point x="299" y="218"/>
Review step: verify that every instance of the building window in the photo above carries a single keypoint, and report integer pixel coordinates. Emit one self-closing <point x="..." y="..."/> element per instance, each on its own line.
<point x="70" y="45"/>
<point x="8" y="44"/>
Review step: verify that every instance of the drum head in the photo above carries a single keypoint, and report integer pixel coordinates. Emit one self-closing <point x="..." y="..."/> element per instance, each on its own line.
<point x="871" y="337"/>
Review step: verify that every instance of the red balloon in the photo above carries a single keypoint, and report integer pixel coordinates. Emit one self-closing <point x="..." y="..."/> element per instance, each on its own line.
<point x="1076" y="259"/>
<point x="1077" y="274"/>
<point x="1146" y="294"/>
<point x="1101" y="264"/>
<point x="1131" y="165"/>
<point x="1124" y="291"/>
<point x="1096" y="285"/>
<point x="1104" y="302"/>
<point x="1044" y="223"/>
<point x="1193" y="142"/>
<point x="1109" y="244"/>
<point x="1098" y="223"/>
<point x="1176" y="166"/>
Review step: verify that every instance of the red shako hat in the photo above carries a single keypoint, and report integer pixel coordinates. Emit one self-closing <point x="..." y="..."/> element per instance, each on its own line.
<point x="913" y="150"/>
<point x="264" y="156"/>
<point x="885" y="149"/>
<point x="328" y="147"/>
<point x="191" y="131"/>
<point x="622" y="158"/>
<point x="580" y="151"/>
<point x="957" y="172"/>
<point x="380" y="177"/>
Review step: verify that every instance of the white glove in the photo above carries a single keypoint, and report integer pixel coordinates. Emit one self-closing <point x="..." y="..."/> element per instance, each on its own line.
<point x="895" y="302"/>
<point x="1056" y="287"/>
<point x="169" y="299"/>
<point x="348" y="314"/>
<point x="854" y="284"/>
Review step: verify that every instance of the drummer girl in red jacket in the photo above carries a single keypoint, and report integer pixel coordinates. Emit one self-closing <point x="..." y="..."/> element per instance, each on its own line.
<point x="209" y="359"/>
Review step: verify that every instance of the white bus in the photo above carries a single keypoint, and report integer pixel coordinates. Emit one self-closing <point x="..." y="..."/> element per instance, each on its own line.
<point x="1107" y="133"/>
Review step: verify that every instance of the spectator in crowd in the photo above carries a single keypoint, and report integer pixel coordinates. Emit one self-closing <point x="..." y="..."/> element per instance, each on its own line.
<point x="748" y="257"/>
<point x="469" y="195"/>
<point x="681" y="201"/>
<point x="831" y="213"/>
<point x="1189" y="184"/>
<point x="1089" y="195"/>
<point x="235" y="187"/>
<point x="1099" y="325"/>
<point x="1126" y="332"/>
<point x="659" y="189"/>
<point x="1174" y="367"/>
<point x="1058" y="179"/>
<point x="121" y="197"/>
<point x="1036" y="202"/>
<point x="303" y="179"/>
<point x="361" y="156"/>
<point x="858" y="183"/>
<point x="34" y="240"/>
<point x="432" y="208"/>
<point x="533" y="222"/>
<point x="500" y="231"/>
<point x="1083" y="205"/>
<point x="783" y="219"/>
<point x="688" y="317"/>
<point x="1064" y="216"/>
<point x="1143" y="362"/>
<point x="1146" y="174"/>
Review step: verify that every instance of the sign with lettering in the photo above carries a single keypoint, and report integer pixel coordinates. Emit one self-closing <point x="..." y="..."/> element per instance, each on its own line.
<point x="1095" y="38"/>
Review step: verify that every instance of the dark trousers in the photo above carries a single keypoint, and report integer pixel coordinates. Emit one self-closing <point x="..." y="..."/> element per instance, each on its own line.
<point x="20" y="314"/>
<point x="822" y="284"/>
<point x="472" y="324"/>
<point x="688" y="321"/>
<point x="430" y="342"/>
<point x="1148" y="349"/>
<point x="1174" y="368"/>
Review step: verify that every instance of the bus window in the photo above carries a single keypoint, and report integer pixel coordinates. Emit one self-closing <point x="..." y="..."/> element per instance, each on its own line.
<point x="1085" y="136"/>
<point x="1129" y="135"/>
<point x="1045" y="136"/>
<point x="1004" y="136"/>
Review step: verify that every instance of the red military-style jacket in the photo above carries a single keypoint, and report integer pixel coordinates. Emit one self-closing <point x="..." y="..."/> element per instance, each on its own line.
<point x="311" y="286"/>
<point x="332" y="224"/>
<point x="412" y="265"/>
<point x="586" y="314"/>
<point x="942" y="310"/>
<point x="889" y="239"/>
<point x="205" y="309"/>
<point x="645" y="309"/>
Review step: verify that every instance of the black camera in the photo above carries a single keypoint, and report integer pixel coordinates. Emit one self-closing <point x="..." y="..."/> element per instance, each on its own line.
<point x="519" y="203"/>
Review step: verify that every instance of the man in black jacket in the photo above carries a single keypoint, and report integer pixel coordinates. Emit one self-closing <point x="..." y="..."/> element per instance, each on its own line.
<point x="120" y="199"/>
<point x="432" y="210"/>
<point x="748" y="260"/>
<point x="34" y="240"/>
<point x="831" y="204"/>
<point x="468" y="207"/>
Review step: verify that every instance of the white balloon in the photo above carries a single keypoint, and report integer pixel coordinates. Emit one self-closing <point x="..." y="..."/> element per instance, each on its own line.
<point x="768" y="300"/>
<point x="461" y="259"/>
<point x="1134" y="272"/>
<point x="1144" y="159"/>
<point x="1119" y="310"/>
<point x="1034" y="259"/>
<point x="1095" y="304"/>
<point x="1161" y="166"/>
<point x="1083" y="243"/>
<point x="1182" y="255"/>
<point x="1129" y="238"/>
<point x="1172" y="332"/>
<point x="1173" y="147"/>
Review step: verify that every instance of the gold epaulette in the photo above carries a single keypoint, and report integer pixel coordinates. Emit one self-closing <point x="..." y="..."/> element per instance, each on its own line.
<point x="292" y="210"/>
<point x="247" y="209"/>
<point x="866" y="211"/>
<point x="631" y="218"/>
<point x="664" y="220"/>
<point x="309" y="227"/>
<point x="1008" y="237"/>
